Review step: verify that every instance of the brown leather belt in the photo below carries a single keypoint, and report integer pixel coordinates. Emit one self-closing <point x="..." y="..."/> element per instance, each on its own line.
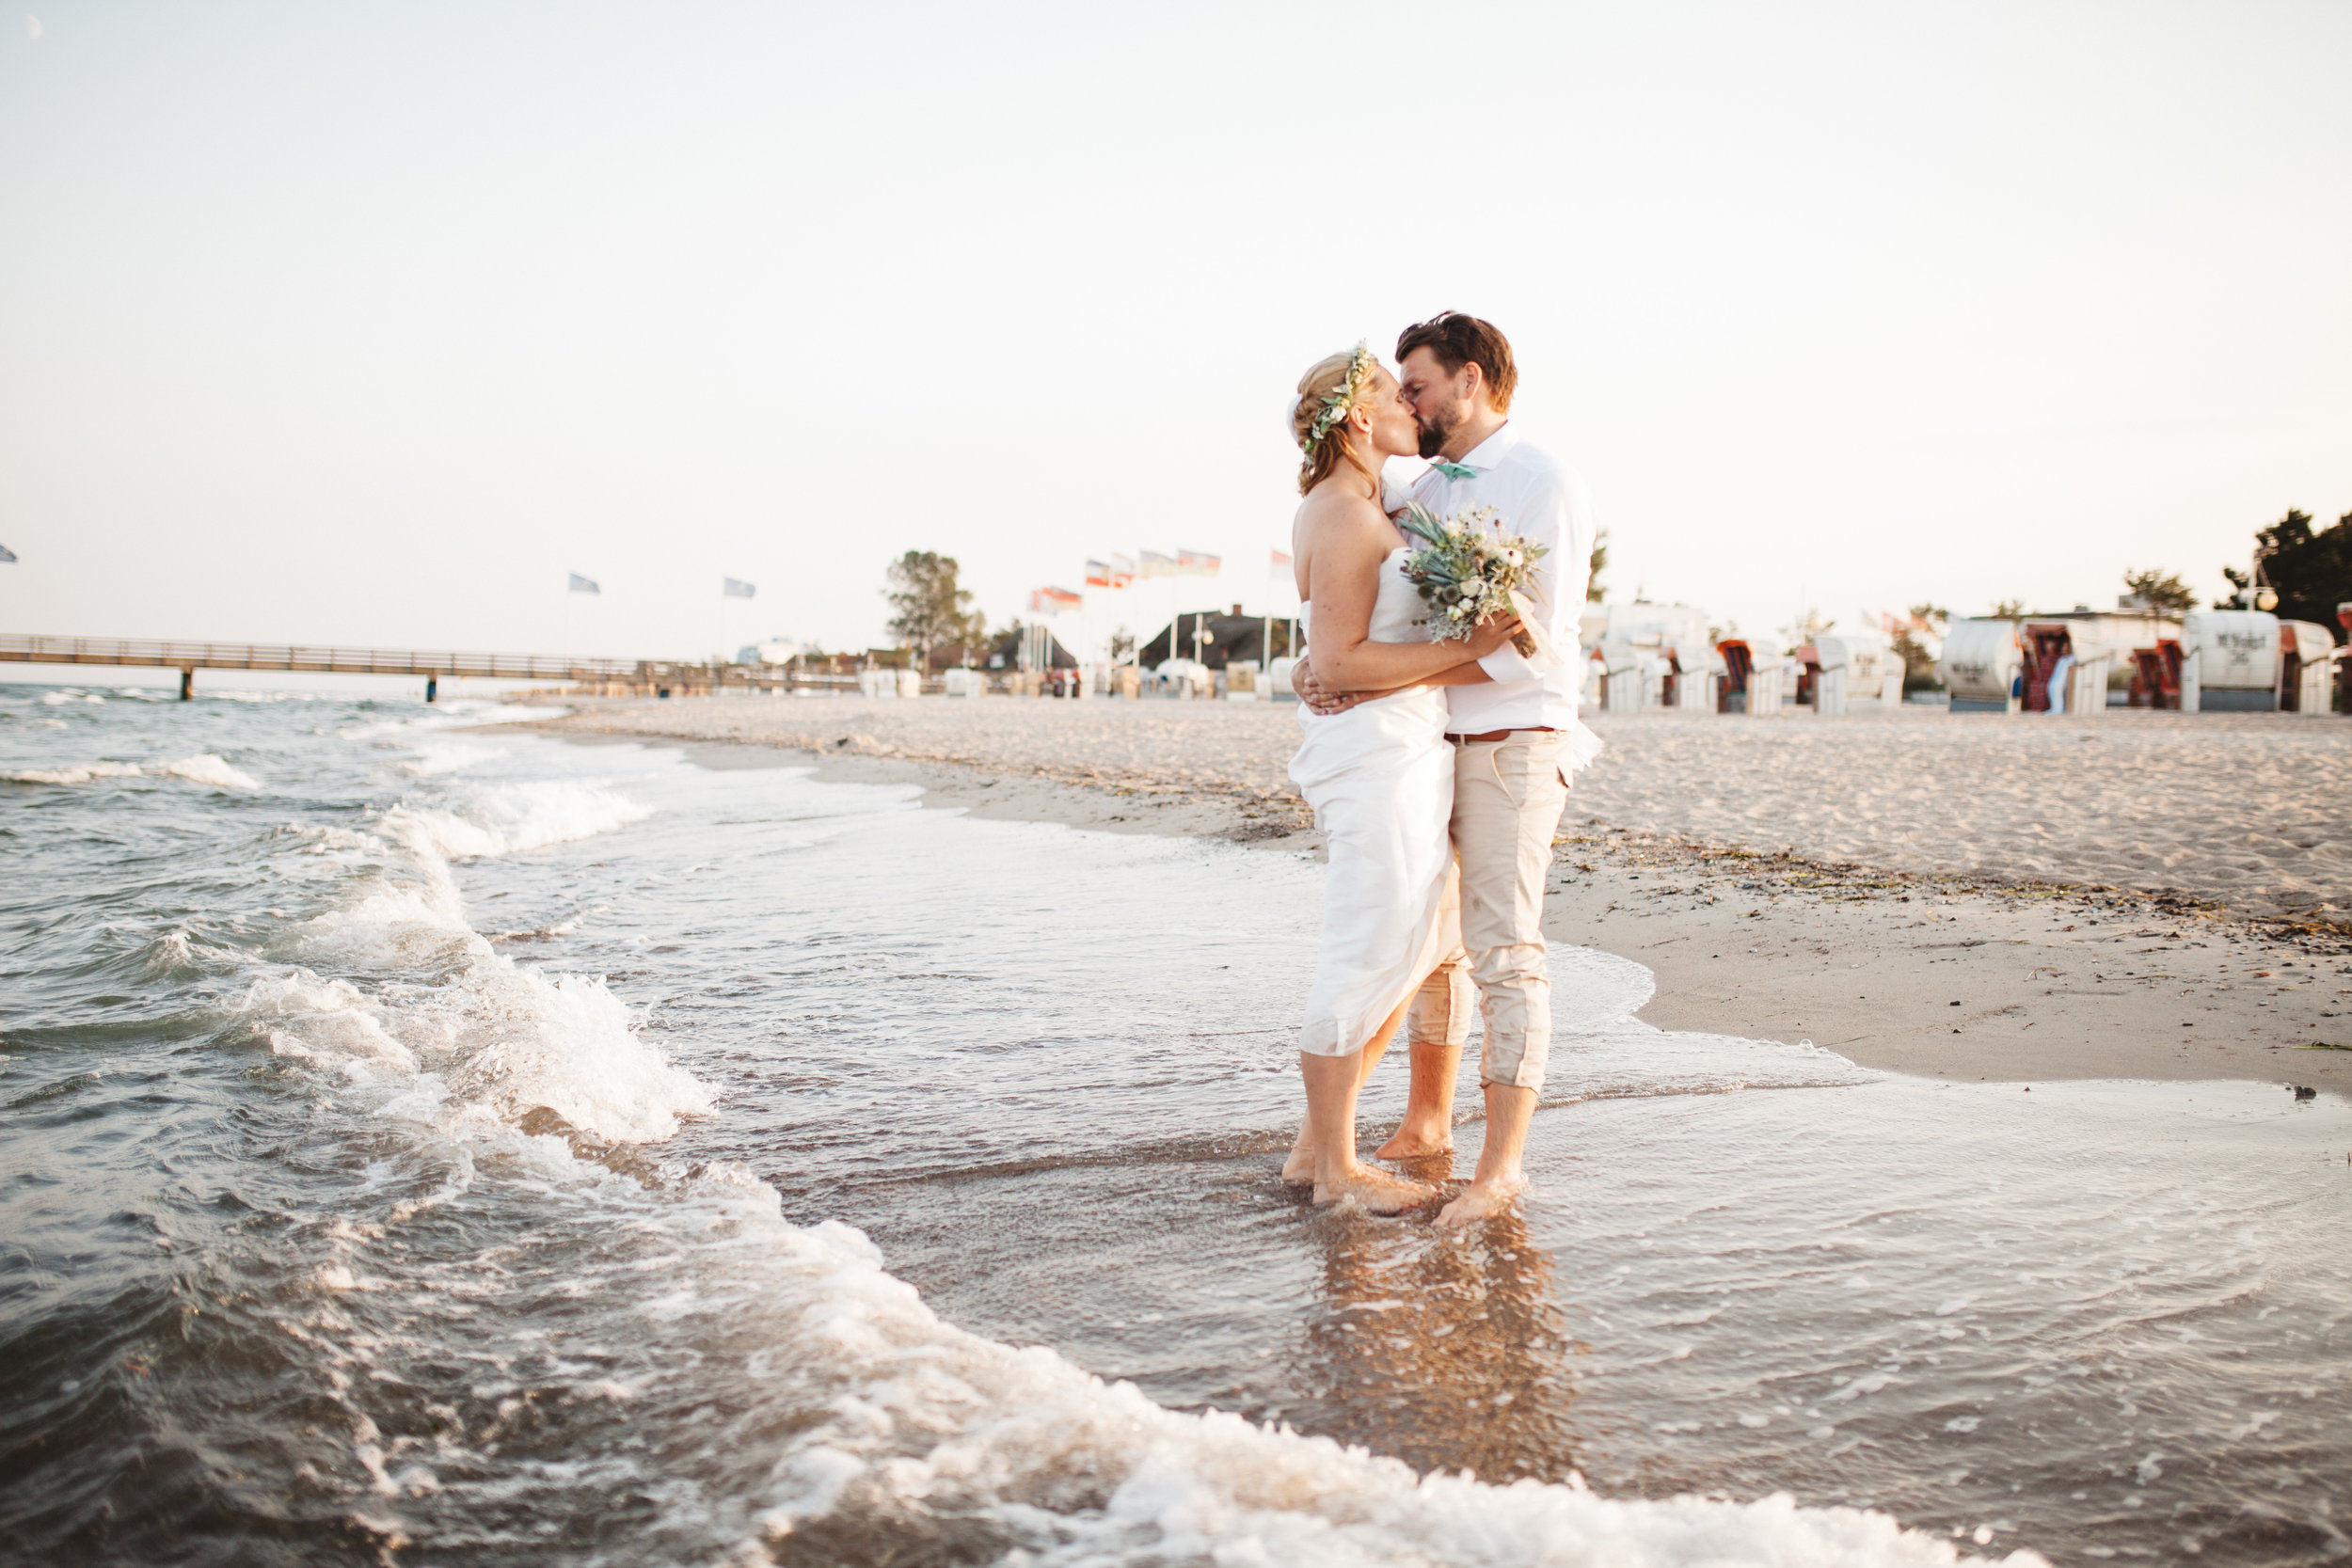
<point x="1500" y="734"/>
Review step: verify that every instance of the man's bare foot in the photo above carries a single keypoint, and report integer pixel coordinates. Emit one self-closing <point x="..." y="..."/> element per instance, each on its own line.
<point x="1414" y="1142"/>
<point x="1377" y="1190"/>
<point x="1480" y="1200"/>
<point x="1299" y="1168"/>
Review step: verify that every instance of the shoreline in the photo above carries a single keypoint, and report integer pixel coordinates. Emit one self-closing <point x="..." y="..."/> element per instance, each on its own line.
<point x="1959" y="977"/>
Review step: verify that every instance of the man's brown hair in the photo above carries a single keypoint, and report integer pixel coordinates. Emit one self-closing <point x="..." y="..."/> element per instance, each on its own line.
<point x="1458" y="339"/>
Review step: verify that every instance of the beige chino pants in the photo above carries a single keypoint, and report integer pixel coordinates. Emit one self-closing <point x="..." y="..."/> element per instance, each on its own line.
<point x="1508" y="796"/>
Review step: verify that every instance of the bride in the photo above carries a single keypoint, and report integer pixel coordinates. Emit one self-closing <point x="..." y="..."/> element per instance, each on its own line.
<point x="1379" y="774"/>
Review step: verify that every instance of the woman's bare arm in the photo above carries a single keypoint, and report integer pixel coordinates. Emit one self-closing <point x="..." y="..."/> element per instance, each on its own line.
<point x="1349" y="540"/>
<point x="1312" y="690"/>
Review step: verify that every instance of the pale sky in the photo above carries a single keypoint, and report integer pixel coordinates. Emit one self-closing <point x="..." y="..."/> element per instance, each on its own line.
<point x="368" y="325"/>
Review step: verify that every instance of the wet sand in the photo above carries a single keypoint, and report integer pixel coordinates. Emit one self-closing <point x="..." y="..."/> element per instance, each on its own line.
<point x="1973" y="898"/>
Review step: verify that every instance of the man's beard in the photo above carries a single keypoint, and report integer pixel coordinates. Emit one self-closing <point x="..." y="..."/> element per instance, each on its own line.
<point x="1439" y="428"/>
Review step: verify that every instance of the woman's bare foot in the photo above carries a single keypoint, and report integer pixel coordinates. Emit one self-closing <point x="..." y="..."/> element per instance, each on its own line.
<point x="1480" y="1200"/>
<point x="1377" y="1190"/>
<point x="1299" y="1168"/>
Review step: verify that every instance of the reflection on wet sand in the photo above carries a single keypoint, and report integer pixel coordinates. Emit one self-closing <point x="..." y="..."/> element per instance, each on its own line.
<point x="1449" y="1351"/>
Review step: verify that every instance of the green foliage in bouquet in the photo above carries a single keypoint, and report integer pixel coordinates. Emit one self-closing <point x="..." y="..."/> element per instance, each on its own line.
<point x="1466" y="570"/>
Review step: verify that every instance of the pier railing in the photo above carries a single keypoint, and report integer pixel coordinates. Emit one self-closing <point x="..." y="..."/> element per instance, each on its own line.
<point x="21" y="649"/>
<point x="611" y="677"/>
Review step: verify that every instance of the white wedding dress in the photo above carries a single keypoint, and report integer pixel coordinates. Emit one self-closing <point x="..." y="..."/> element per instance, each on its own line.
<point x="1380" y="778"/>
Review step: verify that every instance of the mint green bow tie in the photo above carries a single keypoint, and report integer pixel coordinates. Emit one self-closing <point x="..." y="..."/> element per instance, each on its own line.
<point x="1455" y="471"/>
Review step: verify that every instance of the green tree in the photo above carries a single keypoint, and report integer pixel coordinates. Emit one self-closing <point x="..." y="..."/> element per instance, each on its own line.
<point x="2007" y="610"/>
<point x="2310" y="569"/>
<point x="1594" y="593"/>
<point x="933" y="610"/>
<point x="2163" y="593"/>
<point x="1122" y="643"/>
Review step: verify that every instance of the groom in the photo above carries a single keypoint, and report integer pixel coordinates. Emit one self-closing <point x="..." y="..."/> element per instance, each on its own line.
<point x="1511" y="727"/>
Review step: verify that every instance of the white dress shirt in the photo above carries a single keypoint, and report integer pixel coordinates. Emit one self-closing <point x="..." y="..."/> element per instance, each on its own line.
<point x="1545" y="501"/>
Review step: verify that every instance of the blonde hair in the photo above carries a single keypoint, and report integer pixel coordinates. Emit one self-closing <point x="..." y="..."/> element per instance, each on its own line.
<point x="1323" y="381"/>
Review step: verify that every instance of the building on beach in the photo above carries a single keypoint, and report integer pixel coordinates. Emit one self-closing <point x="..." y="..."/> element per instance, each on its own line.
<point x="1029" y="647"/>
<point x="1217" y="639"/>
<point x="771" y="650"/>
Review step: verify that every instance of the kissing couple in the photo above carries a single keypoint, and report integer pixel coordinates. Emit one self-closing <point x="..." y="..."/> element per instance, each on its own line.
<point x="1437" y="770"/>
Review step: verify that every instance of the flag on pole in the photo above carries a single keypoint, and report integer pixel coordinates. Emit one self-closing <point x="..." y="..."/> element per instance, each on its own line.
<point x="1196" y="563"/>
<point x="584" y="585"/>
<point x="1098" y="573"/>
<point x="1047" y="601"/>
<point x="1156" y="565"/>
<point x="8" y="556"/>
<point x="1279" y="564"/>
<point x="737" y="589"/>
<point x="1122" y="572"/>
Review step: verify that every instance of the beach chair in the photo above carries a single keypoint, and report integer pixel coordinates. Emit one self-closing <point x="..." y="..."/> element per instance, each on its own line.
<point x="1739" y="663"/>
<point x="2156" y="676"/>
<point x="2305" y="666"/>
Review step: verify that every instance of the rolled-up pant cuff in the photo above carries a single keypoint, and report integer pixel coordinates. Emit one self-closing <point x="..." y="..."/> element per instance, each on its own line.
<point x="1444" y="1005"/>
<point x="1516" y="992"/>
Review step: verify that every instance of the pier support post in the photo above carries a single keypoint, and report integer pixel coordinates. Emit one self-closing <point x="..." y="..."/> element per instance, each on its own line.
<point x="432" y="688"/>
<point x="187" y="683"/>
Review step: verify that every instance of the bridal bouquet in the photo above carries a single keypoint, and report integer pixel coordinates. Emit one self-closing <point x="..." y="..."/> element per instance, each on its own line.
<point x="1471" y="574"/>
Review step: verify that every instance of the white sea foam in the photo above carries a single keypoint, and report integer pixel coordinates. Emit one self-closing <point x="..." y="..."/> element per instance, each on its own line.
<point x="203" y="769"/>
<point x="928" y="1423"/>
<point x="329" y="1021"/>
<point x="499" y="820"/>
<point x="435" y="759"/>
<point x="206" y="769"/>
<point x="79" y="773"/>
<point x="493" y="1041"/>
<point x="454" y="714"/>
<point x="470" y="1058"/>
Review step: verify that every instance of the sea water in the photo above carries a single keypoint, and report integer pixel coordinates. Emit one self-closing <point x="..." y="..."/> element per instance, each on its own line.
<point x="426" y="1146"/>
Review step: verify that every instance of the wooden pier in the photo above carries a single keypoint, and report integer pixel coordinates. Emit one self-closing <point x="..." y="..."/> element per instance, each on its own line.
<point x="612" y="677"/>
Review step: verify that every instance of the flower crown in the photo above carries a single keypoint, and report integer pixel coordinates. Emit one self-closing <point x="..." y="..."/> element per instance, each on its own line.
<point x="1340" y="400"/>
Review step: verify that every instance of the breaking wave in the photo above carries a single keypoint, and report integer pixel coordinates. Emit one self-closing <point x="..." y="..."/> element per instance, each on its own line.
<point x="202" y="769"/>
<point x="931" y="1424"/>
<point x="78" y="774"/>
<point x="494" y="1040"/>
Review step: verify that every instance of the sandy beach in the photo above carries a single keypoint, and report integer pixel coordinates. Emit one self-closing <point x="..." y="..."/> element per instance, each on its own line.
<point x="1967" y="897"/>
